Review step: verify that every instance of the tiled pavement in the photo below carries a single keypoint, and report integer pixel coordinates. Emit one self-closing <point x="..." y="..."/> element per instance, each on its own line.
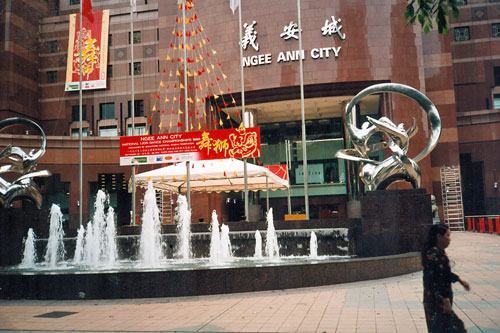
<point x="386" y="305"/>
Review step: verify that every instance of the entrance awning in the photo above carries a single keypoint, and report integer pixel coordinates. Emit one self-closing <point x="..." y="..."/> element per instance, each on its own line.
<point x="213" y="176"/>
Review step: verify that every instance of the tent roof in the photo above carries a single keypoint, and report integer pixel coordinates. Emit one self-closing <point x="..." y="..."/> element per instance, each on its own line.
<point x="211" y="176"/>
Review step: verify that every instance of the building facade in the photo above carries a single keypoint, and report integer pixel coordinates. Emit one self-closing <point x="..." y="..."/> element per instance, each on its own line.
<point x="347" y="46"/>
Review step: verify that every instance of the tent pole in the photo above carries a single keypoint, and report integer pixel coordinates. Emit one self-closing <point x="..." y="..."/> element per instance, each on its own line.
<point x="267" y="193"/>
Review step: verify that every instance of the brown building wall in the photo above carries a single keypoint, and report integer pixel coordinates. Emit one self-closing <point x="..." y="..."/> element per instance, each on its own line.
<point x="378" y="48"/>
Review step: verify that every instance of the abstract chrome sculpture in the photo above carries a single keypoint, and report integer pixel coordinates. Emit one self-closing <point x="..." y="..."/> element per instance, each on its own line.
<point x="15" y="159"/>
<point x="378" y="175"/>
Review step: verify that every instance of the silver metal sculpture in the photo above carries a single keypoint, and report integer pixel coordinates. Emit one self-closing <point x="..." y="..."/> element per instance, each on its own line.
<point x="15" y="159"/>
<point x="378" y="175"/>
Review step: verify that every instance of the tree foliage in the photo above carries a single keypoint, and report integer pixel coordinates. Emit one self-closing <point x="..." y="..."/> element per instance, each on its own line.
<point x="428" y="11"/>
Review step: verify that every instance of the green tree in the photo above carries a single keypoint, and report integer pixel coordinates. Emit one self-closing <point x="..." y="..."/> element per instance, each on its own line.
<point x="427" y="11"/>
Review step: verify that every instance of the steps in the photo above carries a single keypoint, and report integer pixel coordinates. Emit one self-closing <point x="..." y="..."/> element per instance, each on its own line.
<point x="164" y="202"/>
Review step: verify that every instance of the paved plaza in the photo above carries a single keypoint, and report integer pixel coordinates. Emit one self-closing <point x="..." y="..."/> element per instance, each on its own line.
<point x="386" y="305"/>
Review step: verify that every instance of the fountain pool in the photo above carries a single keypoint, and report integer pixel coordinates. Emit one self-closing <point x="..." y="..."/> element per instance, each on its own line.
<point x="183" y="263"/>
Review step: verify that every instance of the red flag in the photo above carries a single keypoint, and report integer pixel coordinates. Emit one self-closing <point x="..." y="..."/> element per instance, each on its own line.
<point x="87" y="10"/>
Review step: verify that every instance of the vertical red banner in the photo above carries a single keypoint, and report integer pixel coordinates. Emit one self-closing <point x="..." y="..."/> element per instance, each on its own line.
<point x="481" y="224"/>
<point x="469" y="226"/>
<point x="498" y="225"/>
<point x="94" y="51"/>
<point x="490" y="225"/>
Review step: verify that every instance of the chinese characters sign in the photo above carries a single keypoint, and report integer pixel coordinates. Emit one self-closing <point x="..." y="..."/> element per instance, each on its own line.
<point x="94" y="52"/>
<point x="190" y="146"/>
<point x="330" y="29"/>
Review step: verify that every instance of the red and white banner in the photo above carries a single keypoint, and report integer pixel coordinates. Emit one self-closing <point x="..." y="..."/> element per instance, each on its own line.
<point x="190" y="146"/>
<point x="94" y="51"/>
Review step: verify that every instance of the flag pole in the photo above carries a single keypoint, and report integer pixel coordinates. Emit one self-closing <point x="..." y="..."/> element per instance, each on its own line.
<point x="132" y="102"/>
<point x="80" y="98"/>
<point x="186" y="111"/>
<point x="304" y="150"/>
<point x="243" y="112"/>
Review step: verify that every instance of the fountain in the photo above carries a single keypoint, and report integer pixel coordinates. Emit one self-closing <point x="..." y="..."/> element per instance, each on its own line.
<point x="106" y="265"/>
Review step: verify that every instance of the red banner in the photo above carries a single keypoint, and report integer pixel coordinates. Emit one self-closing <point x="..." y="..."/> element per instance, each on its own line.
<point x="190" y="146"/>
<point x="94" y="52"/>
<point x="279" y="170"/>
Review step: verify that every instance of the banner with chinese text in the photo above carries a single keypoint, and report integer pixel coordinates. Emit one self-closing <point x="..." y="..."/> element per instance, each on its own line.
<point x="190" y="146"/>
<point x="94" y="52"/>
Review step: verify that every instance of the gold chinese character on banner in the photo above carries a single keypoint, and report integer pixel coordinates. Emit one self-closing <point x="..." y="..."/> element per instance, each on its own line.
<point x="91" y="54"/>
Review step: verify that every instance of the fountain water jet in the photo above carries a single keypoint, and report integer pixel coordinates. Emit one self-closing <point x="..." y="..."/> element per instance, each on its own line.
<point x="220" y="245"/>
<point x="80" y="238"/>
<point x="55" y="251"/>
<point x="96" y="246"/>
<point x="272" y="247"/>
<point x="29" y="253"/>
<point x="313" y="245"/>
<point x="226" y="250"/>
<point x="151" y="246"/>
<point x="258" y="245"/>
<point x="184" y="229"/>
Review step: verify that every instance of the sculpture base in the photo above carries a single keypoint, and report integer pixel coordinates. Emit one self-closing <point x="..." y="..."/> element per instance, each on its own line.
<point x="393" y="221"/>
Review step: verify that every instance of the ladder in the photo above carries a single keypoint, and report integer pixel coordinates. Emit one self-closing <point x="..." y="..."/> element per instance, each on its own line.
<point x="451" y="190"/>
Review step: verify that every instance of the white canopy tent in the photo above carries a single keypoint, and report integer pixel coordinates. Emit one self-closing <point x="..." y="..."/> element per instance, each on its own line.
<point x="212" y="176"/>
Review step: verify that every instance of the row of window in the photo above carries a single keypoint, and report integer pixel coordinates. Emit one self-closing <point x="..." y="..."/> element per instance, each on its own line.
<point x="139" y="129"/>
<point x="463" y="33"/>
<point x="52" y="46"/>
<point x="465" y="2"/>
<point x="107" y="110"/>
<point x="52" y="75"/>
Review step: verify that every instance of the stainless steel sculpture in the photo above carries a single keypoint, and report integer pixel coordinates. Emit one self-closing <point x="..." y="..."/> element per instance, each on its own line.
<point x="378" y="175"/>
<point x="15" y="159"/>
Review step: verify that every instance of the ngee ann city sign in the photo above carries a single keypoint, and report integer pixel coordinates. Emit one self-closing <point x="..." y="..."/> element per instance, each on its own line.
<point x="290" y="32"/>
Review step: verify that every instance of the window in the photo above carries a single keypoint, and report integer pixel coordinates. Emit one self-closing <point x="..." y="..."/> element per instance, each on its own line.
<point x="139" y="129"/>
<point x="110" y="71"/>
<point x="495" y="30"/>
<point x="496" y="101"/>
<point x="110" y="40"/>
<point x="107" y="110"/>
<point x="462" y="33"/>
<point x="75" y="112"/>
<point x="137" y="68"/>
<point x="496" y="74"/>
<point x="51" y="76"/>
<point x="74" y="2"/>
<point x="76" y="131"/>
<point x="137" y="37"/>
<point x="138" y="108"/>
<point x="108" y="131"/>
<point x="52" y="46"/>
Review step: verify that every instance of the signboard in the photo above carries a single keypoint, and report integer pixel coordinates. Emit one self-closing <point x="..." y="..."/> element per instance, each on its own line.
<point x="330" y="29"/>
<point x="94" y="52"/>
<point x="314" y="174"/>
<point x="190" y="146"/>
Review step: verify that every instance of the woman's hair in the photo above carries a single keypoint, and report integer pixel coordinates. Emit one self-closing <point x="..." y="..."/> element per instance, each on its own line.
<point x="431" y="241"/>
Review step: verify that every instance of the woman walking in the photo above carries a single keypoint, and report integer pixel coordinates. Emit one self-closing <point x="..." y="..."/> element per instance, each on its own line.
<point x="438" y="294"/>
